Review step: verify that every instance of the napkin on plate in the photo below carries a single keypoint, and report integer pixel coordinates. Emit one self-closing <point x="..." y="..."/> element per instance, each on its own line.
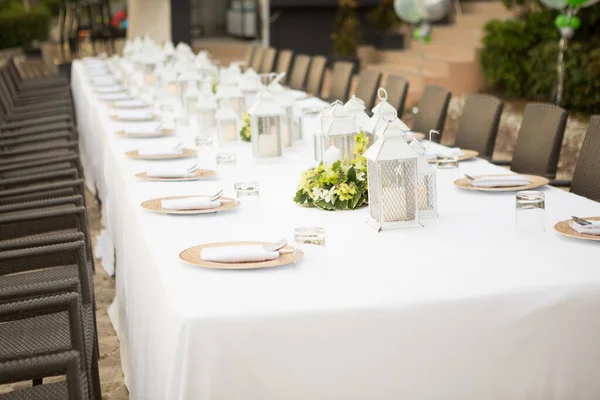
<point x="593" y="229"/>
<point x="134" y="115"/>
<point x="190" y="203"/>
<point x="453" y="150"/>
<point x="144" y="129"/>
<point x="109" y="89"/>
<point x="133" y="103"/>
<point x="500" y="181"/>
<point x="107" y="80"/>
<point x="164" y="172"/>
<point x="235" y="254"/>
<point x="160" y="152"/>
<point x="114" y="96"/>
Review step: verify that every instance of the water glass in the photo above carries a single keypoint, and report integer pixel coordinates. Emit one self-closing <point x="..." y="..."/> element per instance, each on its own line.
<point x="530" y="211"/>
<point x="447" y="160"/>
<point x="248" y="194"/>
<point x="204" y="141"/>
<point x="309" y="235"/>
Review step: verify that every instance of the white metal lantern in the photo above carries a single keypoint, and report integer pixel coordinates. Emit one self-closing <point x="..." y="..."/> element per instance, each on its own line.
<point x="266" y="120"/>
<point x="207" y="106"/>
<point x="230" y="93"/>
<point x="426" y="184"/>
<point x="339" y="129"/>
<point x="285" y="101"/>
<point x="184" y="80"/>
<point x="356" y="107"/>
<point x="228" y="125"/>
<point x="150" y="62"/>
<point x="393" y="181"/>
<point x="191" y="99"/>
<point x="250" y="86"/>
<point x="168" y="83"/>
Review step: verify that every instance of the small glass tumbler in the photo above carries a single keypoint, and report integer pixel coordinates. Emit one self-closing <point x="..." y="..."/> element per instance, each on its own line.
<point x="204" y="141"/>
<point x="530" y="212"/>
<point x="446" y="161"/>
<point x="226" y="158"/>
<point x="309" y="235"/>
<point x="248" y="193"/>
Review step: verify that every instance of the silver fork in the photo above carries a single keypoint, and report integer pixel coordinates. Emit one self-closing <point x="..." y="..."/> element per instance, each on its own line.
<point x="469" y="176"/>
<point x="217" y="195"/>
<point x="276" y="246"/>
<point x="580" y="221"/>
<point x="193" y="168"/>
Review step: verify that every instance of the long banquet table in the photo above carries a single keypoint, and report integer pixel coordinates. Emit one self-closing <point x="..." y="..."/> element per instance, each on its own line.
<point x="462" y="308"/>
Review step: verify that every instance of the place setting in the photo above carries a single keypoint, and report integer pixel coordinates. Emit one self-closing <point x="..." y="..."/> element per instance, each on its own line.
<point x="191" y="205"/>
<point x="241" y="255"/>
<point x="587" y="228"/>
<point x="175" y="174"/>
<point x="145" y="130"/>
<point x="452" y="153"/>
<point x="501" y="183"/>
<point x="115" y="96"/>
<point x="168" y="152"/>
<point x="142" y="115"/>
<point x="130" y="104"/>
<point x="114" y="88"/>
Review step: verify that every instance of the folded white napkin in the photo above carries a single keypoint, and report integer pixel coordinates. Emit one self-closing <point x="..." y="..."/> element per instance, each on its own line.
<point x="160" y="152"/>
<point x="190" y="203"/>
<point x="297" y="94"/>
<point x="143" y="129"/>
<point x="109" y="89"/>
<point x="235" y="254"/>
<point x="107" y="80"/>
<point x="500" y="181"/>
<point x="593" y="229"/>
<point x="134" y="115"/>
<point x="453" y="150"/>
<point x="133" y="103"/>
<point x="169" y="173"/>
<point x="114" y="96"/>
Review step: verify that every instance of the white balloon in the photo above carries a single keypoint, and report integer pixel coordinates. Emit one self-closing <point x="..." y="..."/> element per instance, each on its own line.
<point x="589" y="3"/>
<point x="432" y="10"/>
<point x="406" y="11"/>
<point x="556" y="4"/>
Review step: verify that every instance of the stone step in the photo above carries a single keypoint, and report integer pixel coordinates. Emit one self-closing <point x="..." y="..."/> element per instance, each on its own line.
<point x="457" y="34"/>
<point x="445" y="49"/>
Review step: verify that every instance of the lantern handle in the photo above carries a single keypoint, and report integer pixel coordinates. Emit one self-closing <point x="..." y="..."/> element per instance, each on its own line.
<point x="431" y="132"/>
<point x="361" y="101"/>
<point x="382" y="94"/>
<point x="334" y="103"/>
<point x="389" y="115"/>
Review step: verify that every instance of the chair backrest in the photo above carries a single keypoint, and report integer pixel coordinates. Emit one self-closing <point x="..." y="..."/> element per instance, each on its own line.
<point x="316" y="72"/>
<point x="478" y="125"/>
<point x="540" y="139"/>
<point x="586" y="179"/>
<point x="366" y="88"/>
<point x="397" y="89"/>
<point x="299" y="71"/>
<point x="433" y="108"/>
<point x="341" y="78"/>
<point x="259" y="54"/>
<point x="284" y="60"/>
<point x="250" y="54"/>
<point x="268" y="61"/>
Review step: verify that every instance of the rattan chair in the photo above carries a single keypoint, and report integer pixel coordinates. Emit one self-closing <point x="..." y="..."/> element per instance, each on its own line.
<point x="478" y="124"/>
<point x="299" y="72"/>
<point x="586" y="177"/>
<point x="250" y="52"/>
<point x="268" y="61"/>
<point x="316" y="73"/>
<point x="34" y="84"/>
<point x="284" y="61"/>
<point x="341" y="79"/>
<point x="259" y="54"/>
<point x="65" y="363"/>
<point x="397" y="89"/>
<point x="540" y="140"/>
<point x="40" y="166"/>
<point x="366" y="88"/>
<point x="433" y="108"/>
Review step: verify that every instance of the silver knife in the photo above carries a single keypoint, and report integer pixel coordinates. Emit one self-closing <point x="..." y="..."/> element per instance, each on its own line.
<point x="580" y="221"/>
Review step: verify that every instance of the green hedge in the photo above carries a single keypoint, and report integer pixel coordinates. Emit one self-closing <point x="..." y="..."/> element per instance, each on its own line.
<point x="19" y="27"/>
<point x="519" y="58"/>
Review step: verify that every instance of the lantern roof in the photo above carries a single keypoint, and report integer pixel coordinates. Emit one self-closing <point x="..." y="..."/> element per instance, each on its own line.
<point x="226" y="113"/>
<point x="192" y="91"/>
<point x="228" y="91"/>
<point x="168" y="48"/>
<point x="250" y="83"/>
<point x="355" y="105"/>
<point x="207" y="101"/>
<point x="336" y="120"/>
<point x="265" y="105"/>
<point x="391" y="146"/>
<point x="422" y="165"/>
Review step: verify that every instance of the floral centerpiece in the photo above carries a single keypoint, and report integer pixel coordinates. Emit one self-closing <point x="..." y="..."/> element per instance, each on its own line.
<point x="245" y="132"/>
<point x="340" y="186"/>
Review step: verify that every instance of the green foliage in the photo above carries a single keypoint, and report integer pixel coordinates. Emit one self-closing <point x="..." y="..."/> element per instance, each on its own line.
<point x="520" y="56"/>
<point x="384" y="17"/>
<point x="346" y="34"/>
<point x="20" y="27"/>
<point x="53" y="6"/>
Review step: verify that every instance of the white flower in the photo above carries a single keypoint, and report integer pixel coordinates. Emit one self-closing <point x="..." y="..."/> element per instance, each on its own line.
<point x="360" y="176"/>
<point x="328" y="195"/>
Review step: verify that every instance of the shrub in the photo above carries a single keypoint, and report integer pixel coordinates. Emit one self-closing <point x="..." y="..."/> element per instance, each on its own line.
<point x="53" y="6"/>
<point x="19" y="27"/>
<point x="520" y="55"/>
<point x="384" y="17"/>
<point x="346" y="35"/>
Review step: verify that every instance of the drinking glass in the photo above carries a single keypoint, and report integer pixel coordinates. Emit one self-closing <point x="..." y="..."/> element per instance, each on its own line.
<point x="530" y="211"/>
<point x="446" y="161"/>
<point x="248" y="193"/>
<point x="306" y="238"/>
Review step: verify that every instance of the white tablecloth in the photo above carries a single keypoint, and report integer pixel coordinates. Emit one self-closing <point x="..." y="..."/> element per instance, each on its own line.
<point x="463" y="308"/>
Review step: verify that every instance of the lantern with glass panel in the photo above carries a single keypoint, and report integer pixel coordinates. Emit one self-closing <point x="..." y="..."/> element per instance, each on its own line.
<point x="266" y="122"/>
<point x="426" y="183"/>
<point x="338" y="129"/>
<point x="228" y="123"/>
